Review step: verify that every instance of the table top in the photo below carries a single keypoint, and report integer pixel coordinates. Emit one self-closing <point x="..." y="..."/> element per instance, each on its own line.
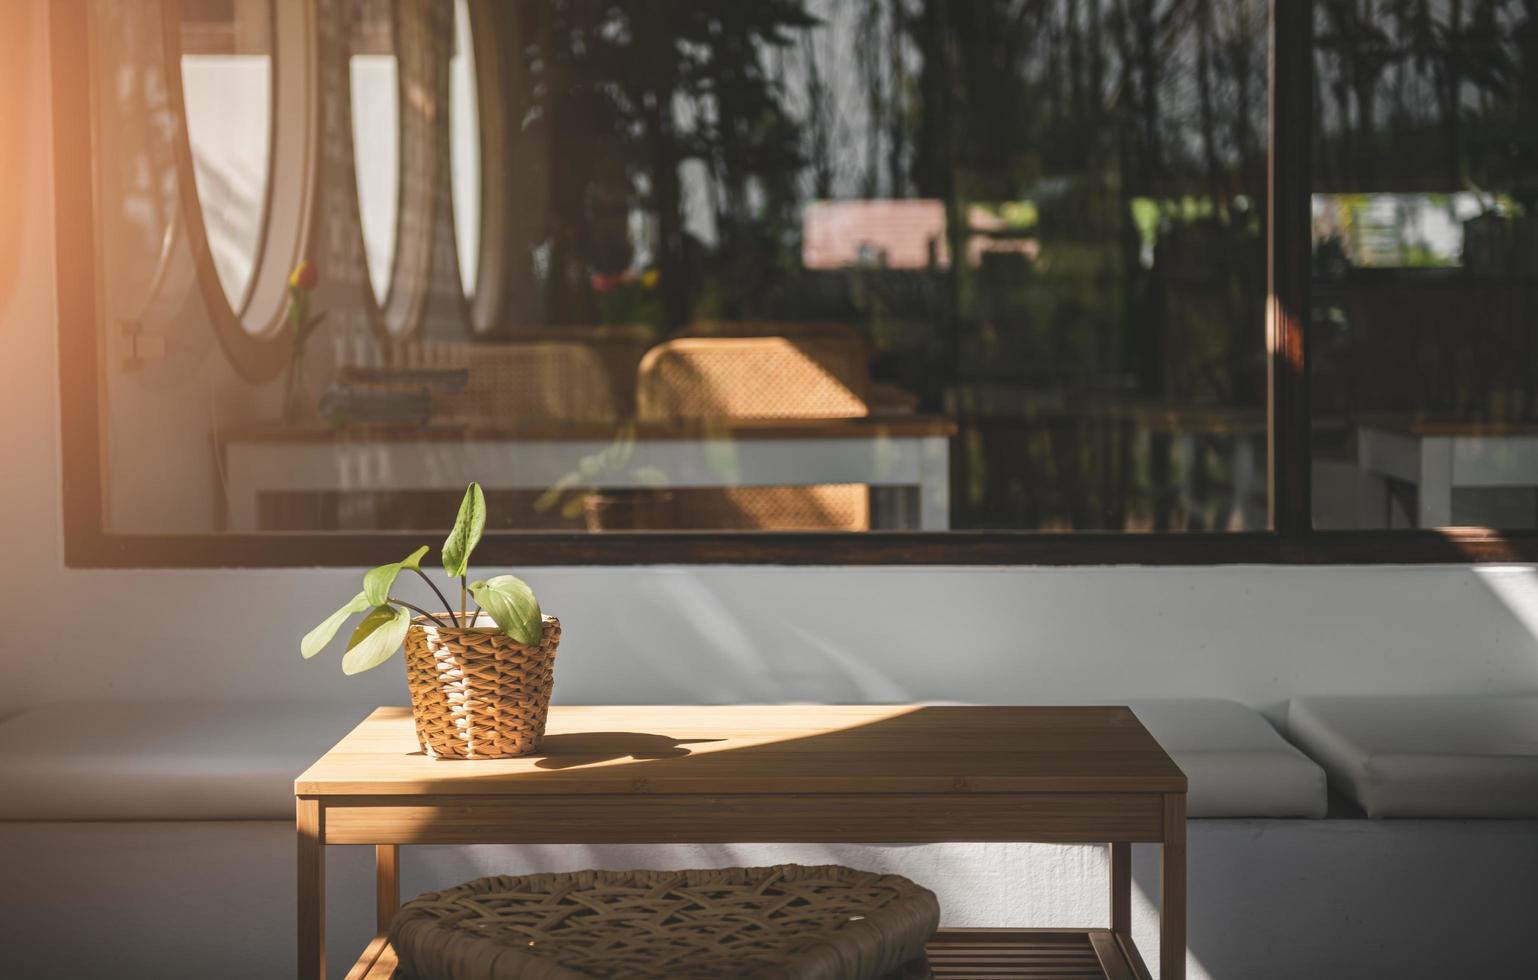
<point x="779" y="749"/>
<point x="553" y="430"/>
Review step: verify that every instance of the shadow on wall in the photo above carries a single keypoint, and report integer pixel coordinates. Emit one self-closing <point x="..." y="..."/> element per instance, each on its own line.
<point x="1258" y="635"/>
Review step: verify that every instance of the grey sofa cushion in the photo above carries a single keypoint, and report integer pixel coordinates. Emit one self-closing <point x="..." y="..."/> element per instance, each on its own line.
<point x="182" y="761"/>
<point x="1236" y="763"/>
<point x="1426" y="756"/>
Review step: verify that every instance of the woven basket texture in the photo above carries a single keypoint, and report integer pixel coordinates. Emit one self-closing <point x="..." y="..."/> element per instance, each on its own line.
<point x="476" y="693"/>
<point x="780" y="923"/>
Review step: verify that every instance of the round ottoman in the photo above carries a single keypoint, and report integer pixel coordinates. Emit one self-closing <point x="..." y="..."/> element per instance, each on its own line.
<point x="782" y="923"/>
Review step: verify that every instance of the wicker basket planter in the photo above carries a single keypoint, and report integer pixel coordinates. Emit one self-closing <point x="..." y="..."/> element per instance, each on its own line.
<point x="781" y="923"/>
<point x="477" y="693"/>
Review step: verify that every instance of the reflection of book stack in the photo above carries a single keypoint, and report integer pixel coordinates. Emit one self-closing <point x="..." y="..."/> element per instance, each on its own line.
<point x="363" y="394"/>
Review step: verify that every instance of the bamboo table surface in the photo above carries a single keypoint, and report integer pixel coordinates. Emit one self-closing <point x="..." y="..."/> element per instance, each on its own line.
<point x="806" y="773"/>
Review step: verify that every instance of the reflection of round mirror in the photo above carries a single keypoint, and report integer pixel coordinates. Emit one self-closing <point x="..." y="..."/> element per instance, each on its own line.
<point x="396" y="129"/>
<point x="226" y="66"/>
<point x="243" y="178"/>
<point x="477" y="143"/>
<point x="465" y="147"/>
<point x="376" y="124"/>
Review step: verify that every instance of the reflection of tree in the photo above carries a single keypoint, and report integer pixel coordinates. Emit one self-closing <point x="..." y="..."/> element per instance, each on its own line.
<point x="1430" y="98"/>
<point x="1435" y="95"/>
<point x="628" y="92"/>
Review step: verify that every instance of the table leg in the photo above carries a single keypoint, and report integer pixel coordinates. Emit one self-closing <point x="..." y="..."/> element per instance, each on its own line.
<point x="1121" y="888"/>
<point x="1372" y="489"/>
<point x="387" y="888"/>
<point x="1172" y="906"/>
<point x="309" y="823"/>
<point x="934" y="483"/>
<point x="1435" y="488"/>
<point x="241" y="508"/>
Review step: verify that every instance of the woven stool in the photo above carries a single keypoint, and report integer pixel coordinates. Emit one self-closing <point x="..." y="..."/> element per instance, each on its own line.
<point x="782" y="923"/>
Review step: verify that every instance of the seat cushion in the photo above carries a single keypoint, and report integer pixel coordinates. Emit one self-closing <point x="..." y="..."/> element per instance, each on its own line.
<point x="1425" y="756"/>
<point x="179" y="761"/>
<point x="786" y="922"/>
<point x="1236" y="763"/>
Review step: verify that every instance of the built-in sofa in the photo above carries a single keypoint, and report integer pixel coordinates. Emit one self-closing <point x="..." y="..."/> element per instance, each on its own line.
<point x="1376" y="838"/>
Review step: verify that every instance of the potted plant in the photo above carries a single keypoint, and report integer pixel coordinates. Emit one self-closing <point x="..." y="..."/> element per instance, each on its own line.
<point x="480" y="680"/>
<point x="587" y="491"/>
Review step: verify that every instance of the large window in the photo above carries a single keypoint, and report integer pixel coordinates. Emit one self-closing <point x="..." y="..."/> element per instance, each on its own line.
<point x="839" y="280"/>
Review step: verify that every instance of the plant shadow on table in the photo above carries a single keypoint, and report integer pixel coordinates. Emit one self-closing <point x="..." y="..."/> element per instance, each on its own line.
<point x="574" y="749"/>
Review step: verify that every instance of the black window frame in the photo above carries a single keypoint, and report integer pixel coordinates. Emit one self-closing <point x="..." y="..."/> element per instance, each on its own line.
<point x="1291" y="539"/>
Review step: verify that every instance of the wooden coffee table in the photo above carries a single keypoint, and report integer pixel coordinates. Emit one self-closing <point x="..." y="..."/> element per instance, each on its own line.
<point x="765" y="773"/>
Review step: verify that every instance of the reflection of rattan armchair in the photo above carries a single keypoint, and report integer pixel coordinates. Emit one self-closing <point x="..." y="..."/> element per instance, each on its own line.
<point x="535" y="380"/>
<point x="753" y="377"/>
<point x="882" y="399"/>
<point x="759" y="377"/>
<point x="520" y="381"/>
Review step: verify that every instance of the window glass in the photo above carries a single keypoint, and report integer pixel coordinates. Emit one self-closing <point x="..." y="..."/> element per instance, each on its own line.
<point x="1425" y="265"/>
<point x="810" y="265"/>
<point x="227" y="92"/>
<point x="376" y="124"/>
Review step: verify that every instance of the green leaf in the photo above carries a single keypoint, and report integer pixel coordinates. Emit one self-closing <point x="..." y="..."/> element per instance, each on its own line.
<point x="511" y="604"/>
<point x="467" y="532"/>
<point x="377" y="582"/>
<point x="376" y="639"/>
<point x="316" y="639"/>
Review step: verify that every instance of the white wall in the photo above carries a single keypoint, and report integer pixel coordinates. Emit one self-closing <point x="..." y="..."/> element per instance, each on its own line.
<point x="1258" y="634"/>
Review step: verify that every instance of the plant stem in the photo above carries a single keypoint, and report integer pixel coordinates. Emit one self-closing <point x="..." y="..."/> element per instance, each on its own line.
<point x="419" y="609"/>
<point x="462" y="589"/>
<point x="441" y="597"/>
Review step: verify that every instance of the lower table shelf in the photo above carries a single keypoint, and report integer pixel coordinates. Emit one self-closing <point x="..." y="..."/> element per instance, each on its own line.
<point x="973" y="954"/>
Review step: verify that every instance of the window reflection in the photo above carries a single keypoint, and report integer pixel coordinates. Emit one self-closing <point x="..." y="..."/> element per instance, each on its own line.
<point x="1425" y="265"/>
<point x="375" y="87"/>
<point x="227" y="92"/>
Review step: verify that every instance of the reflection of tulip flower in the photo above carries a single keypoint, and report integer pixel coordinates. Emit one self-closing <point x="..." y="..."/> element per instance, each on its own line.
<point x="301" y="284"/>
<point x="604" y="283"/>
<point x="305" y="276"/>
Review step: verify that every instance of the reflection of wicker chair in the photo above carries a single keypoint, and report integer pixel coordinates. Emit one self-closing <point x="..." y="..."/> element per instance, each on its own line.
<point x="759" y="377"/>
<point x="793" y="330"/>
<point x="618" y="346"/>
<point x="520" y="381"/>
